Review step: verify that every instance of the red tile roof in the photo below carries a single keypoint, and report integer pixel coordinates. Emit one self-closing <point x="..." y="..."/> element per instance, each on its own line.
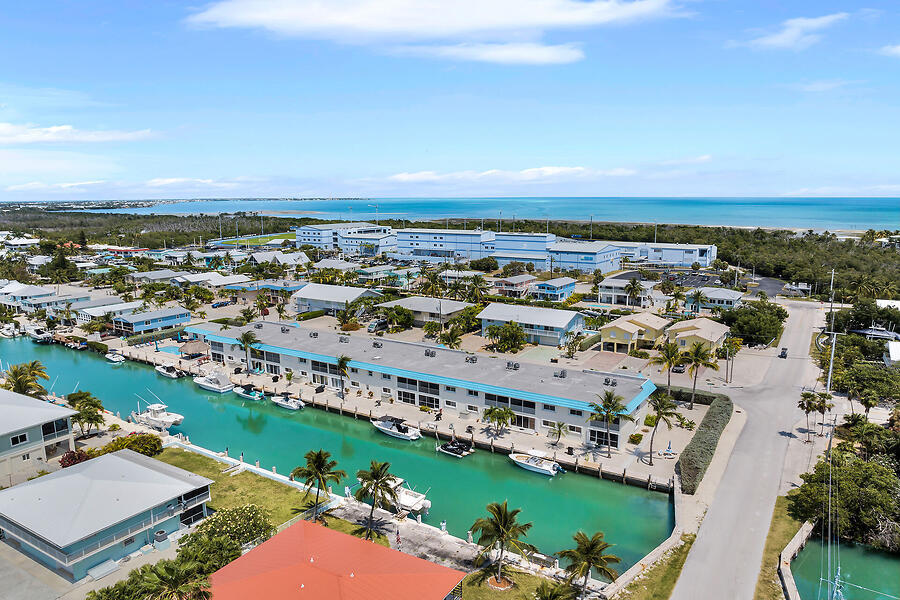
<point x="314" y="562"/>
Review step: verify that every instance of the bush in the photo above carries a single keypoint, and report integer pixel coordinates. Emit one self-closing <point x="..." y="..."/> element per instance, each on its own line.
<point x="242" y="524"/>
<point x="682" y="394"/>
<point x="699" y="452"/>
<point x="114" y="427"/>
<point x="73" y="457"/>
<point x="351" y="326"/>
<point x="635" y="438"/>
<point x="589" y="341"/>
<point x="147" y="444"/>
<point x="99" y="347"/>
<point x="639" y="353"/>
<point x="650" y="421"/>
<point x="310" y="315"/>
<point x="488" y="263"/>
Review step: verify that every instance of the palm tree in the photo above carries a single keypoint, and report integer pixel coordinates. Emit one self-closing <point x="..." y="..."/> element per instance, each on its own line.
<point x="807" y="404"/>
<point x="697" y="357"/>
<point x="319" y="471"/>
<point x="559" y="429"/>
<point x="697" y="298"/>
<point x="869" y="400"/>
<point x="456" y="290"/>
<point x="669" y="357"/>
<point x="451" y="337"/>
<point x="588" y="554"/>
<point x="246" y="341"/>
<point x="868" y="435"/>
<point x="172" y="580"/>
<point x="18" y="379"/>
<point x="633" y="290"/>
<point x="554" y="591"/>
<point x="478" y="289"/>
<point x="501" y="528"/>
<point x="611" y="407"/>
<point x="664" y="409"/>
<point x="67" y="313"/>
<point x="500" y="416"/>
<point x="247" y="314"/>
<point x="262" y="303"/>
<point x="376" y="484"/>
<point x="823" y="405"/>
<point x="281" y="309"/>
<point x="342" y="363"/>
<point x="37" y="370"/>
<point x="678" y="296"/>
<point x="432" y="285"/>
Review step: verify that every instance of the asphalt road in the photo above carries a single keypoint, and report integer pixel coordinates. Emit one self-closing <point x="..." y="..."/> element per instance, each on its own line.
<point x="725" y="559"/>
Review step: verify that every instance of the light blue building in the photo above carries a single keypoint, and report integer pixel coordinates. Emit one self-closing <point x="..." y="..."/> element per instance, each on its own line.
<point x="355" y="243"/>
<point x="31" y="432"/>
<point x="53" y="301"/>
<point x="526" y="248"/>
<point x="153" y="320"/>
<point x="443" y="245"/>
<point x="586" y="257"/>
<point x="545" y="326"/>
<point x="81" y="519"/>
<point x="555" y="290"/>
<point x="663" y="254"/>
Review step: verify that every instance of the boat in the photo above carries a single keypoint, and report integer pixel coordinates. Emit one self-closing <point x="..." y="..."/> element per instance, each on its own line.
<point x="285" y="401"/>
<point x="249" y="393"/>
<point x="8" y="330"/>
<point x="76" y="345"/>
<point x="114" y="357"/>
<point x="408" y="499"/>
<point x="456" y="448"/>
<point x="157" y="417"/>
<point x="40" y="336"/>
<point x="538" y="464"/>
<point x="169" y="371"/>
<point x="396" y="427"/>
<point x="214" y="382"/>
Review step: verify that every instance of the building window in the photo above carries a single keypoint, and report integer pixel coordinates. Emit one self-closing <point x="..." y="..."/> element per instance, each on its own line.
<point x="354" y="384"/>
<point x="407" y="397"/>
<point x="549" y="407"/>
<point x="429" y="401"/>
<point x="18" y="439"/>
<point x="127" y="541"/>
<point x="26" y="456"/>
<point x="576" y="413"/>
<point x="472" y="408"/>
<point x="547" y="424"/>
<point x="352" y="369"/>
<point x="386" y="390"/>
<point x="472" y="393"/>
<point x="385" y="376"/>
<point x="450" y="403"/>
<point x="575" y="429"/>
<point x="449" y="388"/>
<point x="273" y="369"/>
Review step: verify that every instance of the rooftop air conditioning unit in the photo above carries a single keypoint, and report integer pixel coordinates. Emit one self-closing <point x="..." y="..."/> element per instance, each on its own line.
<point x="562" y="374"/>
<point x="515" y="366"/>
<point x="509" y="366"/>
<point x="313" y="334"/>
<point x="285" y="329"/>
<point x="614" y="383"/>
<point x="377" y="344"/>
<point x="257" y="326"/>
<point x="344" y="340"/>
<point x="430" y="353"/>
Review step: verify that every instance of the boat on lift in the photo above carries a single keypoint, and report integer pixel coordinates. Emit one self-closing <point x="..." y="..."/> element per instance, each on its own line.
<point x="157" y="417"/>
<point x="408" y="499"/>
<point x="396" y="427"/>
<point x="249" y="393"/>
<point x="9" y="330"/>
<point x="285" y="401"/>
<point x="214" y="382"/>
<point x="456" y="448"/>
<point x="114" y="357"/>
<point x="537" y="464"/>
<point x="39" y="335"/>
<point x="169" y="371"/>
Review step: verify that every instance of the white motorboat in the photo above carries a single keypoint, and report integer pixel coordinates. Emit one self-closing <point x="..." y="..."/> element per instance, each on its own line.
<point x="285" y="401"/>
<point x="538" y="464"/>
<point x="249" y="393"/>
<point x="456" y="448"/>
<point x="157" y="417"/>
<point x="8" y="330"/>
<point x="114" y="357"/>
<point x="396" y="427"/>
<point x="40" y="336"/>
<point x="408" y="499"/>
<point x="169" y="371"/>
<point x="214" y="382"/>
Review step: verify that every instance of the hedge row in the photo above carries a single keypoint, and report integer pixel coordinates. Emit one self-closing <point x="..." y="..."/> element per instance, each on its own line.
<point x="310" y="315"/>
<point x="699" y="452"/>
<point x="145" y="338"/>
<point x="589" y="341"/>
<point x="683" y="394"/>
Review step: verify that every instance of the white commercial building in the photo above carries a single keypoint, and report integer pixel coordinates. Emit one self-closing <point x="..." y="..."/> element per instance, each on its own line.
<point x="326" y="236"/>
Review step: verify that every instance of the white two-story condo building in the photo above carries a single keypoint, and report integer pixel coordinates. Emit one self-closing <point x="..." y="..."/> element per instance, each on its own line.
<point x="326" y="236"/>
<point x="443" y="245"/>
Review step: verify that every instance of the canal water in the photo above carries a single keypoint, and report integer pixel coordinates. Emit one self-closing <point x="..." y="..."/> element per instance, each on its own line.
<point x="871" y="574"/>
<point x="633" y="519"/>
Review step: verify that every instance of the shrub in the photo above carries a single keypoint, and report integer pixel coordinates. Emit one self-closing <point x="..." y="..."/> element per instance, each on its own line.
<point x="351" y="326"/>
<point x="682" y="394"/>
<point x="310" y="315"/>
<point x="147" y="444"/>
<point x="99" y="347"/>
<point x="488" y="263"/>
<point x="73" y="457"/>
<point x="639" y="353"/>
<point x="699" y="452"/>
<point x="635" y="438"/>
<point x="650" y="420"/>
<point x="114" y="427"/>
<point x="589" y="341"/>
<point x="242" y="524"/>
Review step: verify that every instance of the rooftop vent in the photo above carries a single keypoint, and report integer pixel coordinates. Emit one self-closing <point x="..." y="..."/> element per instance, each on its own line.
<point x="377" y="344"/>
<point x="343" y="339"/>
<point x="472" y="359"/>
<point x="561" y="374"/>
<point x="285" y="329"/>
<point x="613" y="382"/>
<point x="606" y="381"/>
<point x="313" y="334"/>
<point x="257" y="326"/>
<point x="430" y="353"/>
<point x="515" y="366"/>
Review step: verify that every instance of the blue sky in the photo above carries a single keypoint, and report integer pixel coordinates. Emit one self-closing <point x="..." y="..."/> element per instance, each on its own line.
<point x="295" y="98"/>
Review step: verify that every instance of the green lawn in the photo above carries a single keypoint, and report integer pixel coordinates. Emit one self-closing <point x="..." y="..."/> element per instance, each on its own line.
<point x="782" y="528"/>
<point x="524" y="589"/>
<point x="280" y="500"/>
<point x="659" y="580"/>
<point x="259" y="240"/>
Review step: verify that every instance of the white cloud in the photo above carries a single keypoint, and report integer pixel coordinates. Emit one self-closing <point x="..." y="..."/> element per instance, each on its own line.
<point x="40" y="186"/>
<point x="187" y="182"/>
<point x="691" y="160"/>
<point x="512" y="53"/>
<point x="799" y="33"/>
<point x="891" y="50"/>
<point x="499" y="31"/>
<point x="532" y="175"/>
<point x="11" y="133"/>
<point x="823" y="85"/>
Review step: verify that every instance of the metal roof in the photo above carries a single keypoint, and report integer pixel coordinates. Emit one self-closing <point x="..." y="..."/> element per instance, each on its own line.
<point x="429" y="305"/>
<point x="331" y="293"/>
<point x="153" y="314"/>
<point x="85" y="499"/>
<point x="21" y="412"/>
<point x="532" y="315"/>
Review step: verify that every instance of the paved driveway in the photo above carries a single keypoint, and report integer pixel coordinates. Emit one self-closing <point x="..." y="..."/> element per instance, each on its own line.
<point x="725" y="560"/>
<point x="23" y="579"/>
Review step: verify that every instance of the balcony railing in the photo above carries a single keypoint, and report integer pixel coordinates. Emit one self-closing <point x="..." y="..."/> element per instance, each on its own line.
<point x="57" y="434"/>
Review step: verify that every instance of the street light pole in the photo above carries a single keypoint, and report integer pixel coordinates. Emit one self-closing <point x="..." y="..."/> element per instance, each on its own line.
<point x="833" y="337"/>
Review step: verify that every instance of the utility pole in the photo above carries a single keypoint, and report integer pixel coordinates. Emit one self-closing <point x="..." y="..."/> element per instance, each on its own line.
<point x="654" y="231"/>
<point x="833" y="337"/>
<point x="592" y="226"/>
<point x="499" y="221"/>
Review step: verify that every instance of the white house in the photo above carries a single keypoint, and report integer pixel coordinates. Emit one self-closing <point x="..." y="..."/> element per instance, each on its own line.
<point x="612" y="291"/>
<point x="330" y="298"/>
<point x="716" y="297"/>
<point x="547" y="326"/>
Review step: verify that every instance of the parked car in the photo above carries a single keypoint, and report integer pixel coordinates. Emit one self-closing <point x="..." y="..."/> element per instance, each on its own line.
<point x="222" y="303"/>
<point x="678" y="369"/>
<point x="377" y="325"/>
<point x="783" y="353"/>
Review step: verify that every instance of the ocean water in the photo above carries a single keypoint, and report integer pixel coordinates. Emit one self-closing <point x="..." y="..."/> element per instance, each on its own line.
<point x="808" y="213"/>
<point x="634" y="519"/>
<point x="869" y="574"/>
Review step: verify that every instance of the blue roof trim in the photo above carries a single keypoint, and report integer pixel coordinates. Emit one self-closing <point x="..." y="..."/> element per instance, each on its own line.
<point x="647" y="387"/>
